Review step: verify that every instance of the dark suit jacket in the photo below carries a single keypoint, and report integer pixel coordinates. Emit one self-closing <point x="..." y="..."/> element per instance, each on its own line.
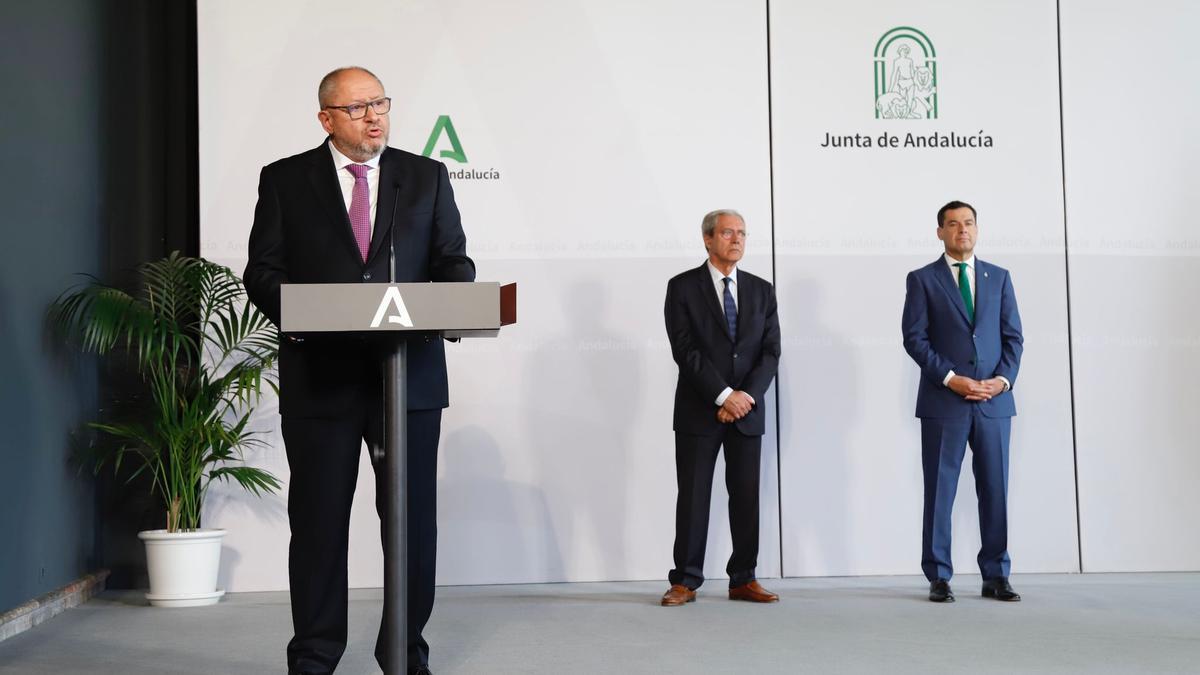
<point x="939" y="338"/>
<point x="709" y="360"/>
<point x="302" y="234"/>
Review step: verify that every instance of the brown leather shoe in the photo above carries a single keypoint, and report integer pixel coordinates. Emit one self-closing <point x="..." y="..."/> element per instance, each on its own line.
<point x="752" y="592"/>
<point x="678" y="594"/>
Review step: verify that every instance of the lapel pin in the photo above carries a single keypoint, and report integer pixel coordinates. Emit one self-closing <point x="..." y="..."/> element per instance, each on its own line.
<point x="985" y="274"/>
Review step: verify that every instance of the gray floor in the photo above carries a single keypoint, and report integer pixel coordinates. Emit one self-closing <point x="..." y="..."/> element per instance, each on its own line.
<point x="1119" y="623"/>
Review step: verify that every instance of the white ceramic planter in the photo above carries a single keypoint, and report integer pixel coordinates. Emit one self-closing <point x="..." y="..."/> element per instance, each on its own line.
<point x="183" y="567"/>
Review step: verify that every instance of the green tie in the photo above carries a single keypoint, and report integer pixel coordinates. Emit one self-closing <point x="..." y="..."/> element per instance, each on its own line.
<point x="964" y="288"/>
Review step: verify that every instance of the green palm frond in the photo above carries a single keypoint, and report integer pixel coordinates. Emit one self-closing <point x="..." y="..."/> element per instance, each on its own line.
<point x="256" y="481"/>
<point x="203" y="353"/>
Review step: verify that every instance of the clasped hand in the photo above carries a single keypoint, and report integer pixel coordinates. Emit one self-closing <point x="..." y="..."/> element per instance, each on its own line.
<point x="737" y="405"/>
<point x="976" y="390"/>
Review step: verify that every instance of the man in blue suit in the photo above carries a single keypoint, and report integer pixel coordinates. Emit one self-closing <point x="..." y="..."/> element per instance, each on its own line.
<point x="962" y="327"/>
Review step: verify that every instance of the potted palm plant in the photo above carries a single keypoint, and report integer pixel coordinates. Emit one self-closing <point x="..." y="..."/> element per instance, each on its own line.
<point x="203" y="354"/>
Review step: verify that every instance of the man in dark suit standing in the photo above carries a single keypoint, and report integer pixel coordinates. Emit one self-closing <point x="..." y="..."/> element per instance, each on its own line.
<point x="724" y="334"/>
<point x="962" y="327"/>
<point x="327" y="216"/>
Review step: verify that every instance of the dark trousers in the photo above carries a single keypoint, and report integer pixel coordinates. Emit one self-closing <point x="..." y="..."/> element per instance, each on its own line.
<point x="943" y="446"/>
<point x="323" y="458"/>
<point x="695" y="461"/>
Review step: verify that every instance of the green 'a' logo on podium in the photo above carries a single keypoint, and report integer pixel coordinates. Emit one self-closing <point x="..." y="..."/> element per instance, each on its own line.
<point x="905" y="76"/>
<point x="444" y="125"/>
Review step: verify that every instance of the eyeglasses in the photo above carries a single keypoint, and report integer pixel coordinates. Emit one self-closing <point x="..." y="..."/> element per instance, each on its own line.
<point x="731" y="234"/>
<point x="357" y="111"/>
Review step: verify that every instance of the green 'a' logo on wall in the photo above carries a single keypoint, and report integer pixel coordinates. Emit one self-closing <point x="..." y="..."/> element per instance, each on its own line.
<point x="444" y="125"/>
<point x="905" y="76"/>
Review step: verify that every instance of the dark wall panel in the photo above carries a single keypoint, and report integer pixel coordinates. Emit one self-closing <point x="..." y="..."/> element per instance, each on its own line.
<point x="51" y="200"/>
<point x="98" y="175"/>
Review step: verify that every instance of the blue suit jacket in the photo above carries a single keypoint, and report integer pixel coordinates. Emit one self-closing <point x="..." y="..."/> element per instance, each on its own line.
<point x="938" y="336"/>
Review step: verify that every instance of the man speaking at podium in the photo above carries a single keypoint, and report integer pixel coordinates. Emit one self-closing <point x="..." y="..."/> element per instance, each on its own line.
<point x="327" y="216"/>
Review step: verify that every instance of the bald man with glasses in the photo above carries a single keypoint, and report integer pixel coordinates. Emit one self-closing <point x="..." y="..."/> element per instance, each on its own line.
<point x="326" y="216"/>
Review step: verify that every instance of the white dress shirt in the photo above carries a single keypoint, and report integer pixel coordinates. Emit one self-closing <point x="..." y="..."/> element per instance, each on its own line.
<point x="719" y="285"/>
<point x="971" y="282"/>
<point x="970" y="272"/>
<point x="346" y="179"/>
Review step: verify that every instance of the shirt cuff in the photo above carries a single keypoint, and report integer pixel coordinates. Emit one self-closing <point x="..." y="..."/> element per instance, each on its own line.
<point x="724" y="395"/>
<point x="1007" y="384"/>
<point x="946" y="380"/>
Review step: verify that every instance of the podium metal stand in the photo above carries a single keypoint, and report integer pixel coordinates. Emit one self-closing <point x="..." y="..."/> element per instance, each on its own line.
<point x="453" y="310"/>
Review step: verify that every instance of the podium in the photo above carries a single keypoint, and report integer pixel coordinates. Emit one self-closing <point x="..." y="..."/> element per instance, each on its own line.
<point x="453" y="310"/>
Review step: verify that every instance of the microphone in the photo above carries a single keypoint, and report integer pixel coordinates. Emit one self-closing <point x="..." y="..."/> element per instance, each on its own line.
<point x="392" y="237"/>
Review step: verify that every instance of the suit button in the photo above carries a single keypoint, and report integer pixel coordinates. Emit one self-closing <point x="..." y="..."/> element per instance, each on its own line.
<point x="971" y="362"/>
<point x="735" y="355"/>
<point x="366" y="276"/>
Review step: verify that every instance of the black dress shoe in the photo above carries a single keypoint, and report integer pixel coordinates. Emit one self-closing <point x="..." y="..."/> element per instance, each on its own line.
<point x="939" y="591"/>
<point x="1000" y="589"/>
<point x="420" y="670"/>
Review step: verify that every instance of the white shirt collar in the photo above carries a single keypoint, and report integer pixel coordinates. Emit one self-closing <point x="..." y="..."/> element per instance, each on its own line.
<point x="718" y="276"/>
<point x="341" y="161"/>
<point x="952" y="262"/>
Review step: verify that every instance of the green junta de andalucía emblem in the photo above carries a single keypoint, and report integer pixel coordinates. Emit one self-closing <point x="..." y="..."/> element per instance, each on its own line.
<point x="444" y="125"/>
<point x="905" y="76"/>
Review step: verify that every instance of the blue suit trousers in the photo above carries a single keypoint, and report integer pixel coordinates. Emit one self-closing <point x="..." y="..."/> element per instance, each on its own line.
<point x="943" y="446"/>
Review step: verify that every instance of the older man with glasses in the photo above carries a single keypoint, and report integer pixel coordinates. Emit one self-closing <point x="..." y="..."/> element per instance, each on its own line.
<point x="724" y="335"/>
<point x="325" y="216"/>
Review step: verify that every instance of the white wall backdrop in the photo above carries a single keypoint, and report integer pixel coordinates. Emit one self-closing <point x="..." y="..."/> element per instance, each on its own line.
<point x="852" y="221"/>
<point x="1129" y="84"/>
<point x="603" y="123"/>
<point x="595" y="136"/>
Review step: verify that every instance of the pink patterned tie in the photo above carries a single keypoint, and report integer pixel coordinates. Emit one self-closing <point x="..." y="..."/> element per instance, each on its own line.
<point x="360" y="208"/>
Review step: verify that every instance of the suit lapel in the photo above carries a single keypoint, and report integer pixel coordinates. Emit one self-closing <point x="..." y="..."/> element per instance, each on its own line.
<point x="982" y="285"/>
<point x="709" y="294"/>
<point x="323" y="177"/>
<point x="390" y="179"/>
<point x="946" y="278"/>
